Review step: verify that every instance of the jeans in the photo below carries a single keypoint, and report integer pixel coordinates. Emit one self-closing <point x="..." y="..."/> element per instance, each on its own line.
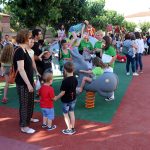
<point x="138" y="60"/>
<point x="131" y="60"/>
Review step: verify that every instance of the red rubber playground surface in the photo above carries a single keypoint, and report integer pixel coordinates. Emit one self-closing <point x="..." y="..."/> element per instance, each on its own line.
<point x="129" y="130"/>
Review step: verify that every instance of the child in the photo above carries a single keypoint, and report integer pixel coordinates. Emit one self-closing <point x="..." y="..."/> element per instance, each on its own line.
<point x="46" y="94"/>
<point x="95" y="72"/>
<point x="68" y="97"/>
<point x="46" y="58"/>
<point x="64" y="54"/>
<point x="6" y="60"/>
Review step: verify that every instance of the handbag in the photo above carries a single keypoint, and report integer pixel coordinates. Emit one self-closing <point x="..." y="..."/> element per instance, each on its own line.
<point x="12" y="73"/>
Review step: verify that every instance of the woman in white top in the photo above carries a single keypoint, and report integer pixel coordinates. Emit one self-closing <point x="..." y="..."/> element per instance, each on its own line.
<point x="140" y="49"/>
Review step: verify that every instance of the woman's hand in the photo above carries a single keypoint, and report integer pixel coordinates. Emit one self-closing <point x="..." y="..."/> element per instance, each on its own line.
<point x="30" y="88"/>
<point x="38" y="75"/>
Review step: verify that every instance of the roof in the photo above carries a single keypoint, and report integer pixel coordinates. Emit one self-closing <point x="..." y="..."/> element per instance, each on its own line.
<point x="139" y="14"/>
<point x="2" y="14"/>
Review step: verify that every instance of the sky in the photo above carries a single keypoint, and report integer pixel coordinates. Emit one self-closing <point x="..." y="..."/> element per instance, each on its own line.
<point x="127" y="7"/>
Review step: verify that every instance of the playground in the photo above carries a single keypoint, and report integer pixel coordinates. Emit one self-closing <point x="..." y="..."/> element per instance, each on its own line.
<point x="120" y="124"/>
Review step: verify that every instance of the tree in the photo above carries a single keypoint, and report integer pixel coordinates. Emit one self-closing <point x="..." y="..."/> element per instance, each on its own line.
<point x="72" y="12"/>
<point x="145" y="26"/>
<point x="130" y="26"/>
<point x="28" y="13"/>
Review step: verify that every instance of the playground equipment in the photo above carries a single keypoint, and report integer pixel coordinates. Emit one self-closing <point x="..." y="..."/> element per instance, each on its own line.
<point x="105" y="85"/>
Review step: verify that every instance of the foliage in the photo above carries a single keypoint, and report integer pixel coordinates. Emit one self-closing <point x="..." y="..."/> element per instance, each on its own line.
<point x="28" y="13"/>
<point x="72" y="12"/>
<point x="145" y="26"/>
<point x="52" y="13"/>
<point x="130" y="26"/>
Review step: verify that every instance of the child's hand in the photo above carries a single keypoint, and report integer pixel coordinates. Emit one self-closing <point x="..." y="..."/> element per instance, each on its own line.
<point x="55" y="98"/>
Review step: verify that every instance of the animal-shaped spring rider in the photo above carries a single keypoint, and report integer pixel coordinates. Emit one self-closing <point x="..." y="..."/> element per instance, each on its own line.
<point x="105" y="84"/>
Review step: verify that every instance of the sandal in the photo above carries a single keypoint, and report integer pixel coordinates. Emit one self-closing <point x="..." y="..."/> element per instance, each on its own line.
<point x="4" y="100"/>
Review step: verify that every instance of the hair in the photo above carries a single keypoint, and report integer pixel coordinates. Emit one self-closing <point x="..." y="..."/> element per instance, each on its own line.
<point x="63" y="41"/>
<point x="99" y="32"/>
<point x="98" y="62"/>
<point x="127" y="36"/>
<point x="137" y="35"/>
<point x="132" y="36"/>
<point x="35" y="32"/>
<point x="7" y="54"/>
<point x="108" y="42"/>
<point x="69" y="67"/>
<point x="47" y="77"/>
<point x="22" y="36"/>
<point x="6" y="35"/>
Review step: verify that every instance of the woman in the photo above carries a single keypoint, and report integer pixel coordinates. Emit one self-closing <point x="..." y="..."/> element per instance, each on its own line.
<point x="108" y="58"/>
<point x="140" y="49"/>
<point x="24" y="81"/>
<point x="128" y="49"/>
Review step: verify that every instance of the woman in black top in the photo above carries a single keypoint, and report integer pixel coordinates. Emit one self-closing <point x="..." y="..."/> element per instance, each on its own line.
<point x="24" y="81"/>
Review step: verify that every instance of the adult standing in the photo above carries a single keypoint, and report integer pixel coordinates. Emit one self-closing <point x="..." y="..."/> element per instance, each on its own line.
<point x="37" y="35"/>
<point x="108" y="57"/>
<point x="129" y="46"/>
<point x="24" y="81"/>
<point x="61" y="33"/>
<point x="140" y="49"/>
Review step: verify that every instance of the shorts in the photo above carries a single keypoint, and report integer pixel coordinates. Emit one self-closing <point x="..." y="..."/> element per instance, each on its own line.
<point x="66" y="107"/>
<point x="7" y="70"/>
<point x="48" y="113"/>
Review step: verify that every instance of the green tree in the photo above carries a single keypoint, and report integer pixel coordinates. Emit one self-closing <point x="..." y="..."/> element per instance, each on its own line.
<point x="130" y="26"/>
<point x="145" y="26"/>
<point x="72" y="12"/>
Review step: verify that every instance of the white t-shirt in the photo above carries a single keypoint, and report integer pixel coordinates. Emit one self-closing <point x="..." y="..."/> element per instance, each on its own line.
<point x="140" y="44"/>
<point x="31" y="53"/>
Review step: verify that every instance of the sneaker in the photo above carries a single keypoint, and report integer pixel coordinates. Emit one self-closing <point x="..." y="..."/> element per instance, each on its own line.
<point x="140" y="71"/>
<point x="128" y="73"/>
<point x="67" y="131"/>
<point x="51" y="128"/>
<point x="73" y="130"/>
<point x="109" y="99"/>
<point x="34" y="120"/>
<point x="135" y="74"/>
<point x="27" y="130"/>
<point x="44" y="126"/>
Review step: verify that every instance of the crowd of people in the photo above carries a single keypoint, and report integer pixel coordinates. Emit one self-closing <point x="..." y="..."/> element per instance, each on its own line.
<point x="30" y="56"/>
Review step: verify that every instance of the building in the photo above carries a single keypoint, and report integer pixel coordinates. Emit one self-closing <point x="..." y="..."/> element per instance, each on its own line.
<point x="4" y="23"/>
<point x="139" y="17"/>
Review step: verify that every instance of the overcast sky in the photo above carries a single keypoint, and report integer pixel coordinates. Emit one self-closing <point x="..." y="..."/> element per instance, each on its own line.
<point x="127" y="7"/>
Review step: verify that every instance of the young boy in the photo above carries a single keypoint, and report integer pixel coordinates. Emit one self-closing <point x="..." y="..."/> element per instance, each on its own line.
<point x="46" y="59"/>
<point x="68" y="98"/>
<point x="46" y="94"/>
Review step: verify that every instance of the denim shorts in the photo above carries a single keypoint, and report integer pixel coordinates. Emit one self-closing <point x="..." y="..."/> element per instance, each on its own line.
<point x="66" y="107"/>
<point x="48" y="113"/>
